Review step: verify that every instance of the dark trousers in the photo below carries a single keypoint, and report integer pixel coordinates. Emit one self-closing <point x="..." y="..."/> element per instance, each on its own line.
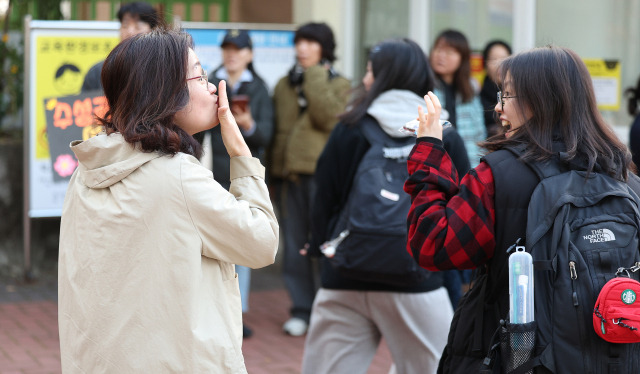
<point x="299" y="272"/>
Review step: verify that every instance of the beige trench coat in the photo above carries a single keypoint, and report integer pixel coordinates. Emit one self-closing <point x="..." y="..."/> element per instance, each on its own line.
<point x="147" y="246"/>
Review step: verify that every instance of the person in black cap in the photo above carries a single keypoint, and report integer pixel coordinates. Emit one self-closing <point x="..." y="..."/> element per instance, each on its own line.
<point x="135" y="18"/>
<point x="307" y="102"/>
<point x="252" y="108"/>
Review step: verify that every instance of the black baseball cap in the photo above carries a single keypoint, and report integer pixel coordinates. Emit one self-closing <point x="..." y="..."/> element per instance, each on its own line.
<point x="239" y="38"/>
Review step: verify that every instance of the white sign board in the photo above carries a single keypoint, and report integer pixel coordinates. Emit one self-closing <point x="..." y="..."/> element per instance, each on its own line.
<point x="58" y="55"/>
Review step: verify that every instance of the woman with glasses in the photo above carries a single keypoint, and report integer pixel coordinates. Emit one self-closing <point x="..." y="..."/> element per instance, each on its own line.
<point x="469" y="223"/>
<point x="148" y="238"/>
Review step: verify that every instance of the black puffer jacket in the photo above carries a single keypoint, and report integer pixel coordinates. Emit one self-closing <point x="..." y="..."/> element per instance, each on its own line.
<point x="262" y="113"/>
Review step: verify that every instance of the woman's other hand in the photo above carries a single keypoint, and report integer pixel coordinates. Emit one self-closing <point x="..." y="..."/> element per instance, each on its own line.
<point x="243" y="116"/>
<point x="430" y="121"/>
<point x="231" y="136"/>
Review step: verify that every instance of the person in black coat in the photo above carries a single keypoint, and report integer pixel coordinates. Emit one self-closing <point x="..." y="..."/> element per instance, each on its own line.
<point x="252" y="108"/>
<point x="249" y="98"/>
<point x="634" y="134"/>
<point x="493" y="53"/>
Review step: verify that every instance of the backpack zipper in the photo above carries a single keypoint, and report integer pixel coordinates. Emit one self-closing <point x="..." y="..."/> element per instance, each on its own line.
<point x="574" y="276"/>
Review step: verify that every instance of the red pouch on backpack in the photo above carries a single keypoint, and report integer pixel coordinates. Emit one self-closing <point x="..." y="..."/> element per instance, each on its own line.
<point x="616" y="316"/>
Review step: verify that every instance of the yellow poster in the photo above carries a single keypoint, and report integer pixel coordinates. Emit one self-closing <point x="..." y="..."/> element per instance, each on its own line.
<point x="61" y="64"/>
<point x="606" y="77"/>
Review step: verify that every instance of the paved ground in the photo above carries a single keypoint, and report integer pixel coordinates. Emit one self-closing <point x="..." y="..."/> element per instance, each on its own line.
<point x="29" y="331"/>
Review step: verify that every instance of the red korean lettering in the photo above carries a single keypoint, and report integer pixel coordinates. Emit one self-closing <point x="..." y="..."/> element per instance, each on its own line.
<point x="100" y="106"/>
<point x="83" y="112"/>
<point x="62" y="115"/>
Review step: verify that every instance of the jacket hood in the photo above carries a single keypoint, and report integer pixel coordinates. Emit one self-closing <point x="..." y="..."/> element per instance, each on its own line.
<point x="108" y="159"/>
<point x="394" y="108"/>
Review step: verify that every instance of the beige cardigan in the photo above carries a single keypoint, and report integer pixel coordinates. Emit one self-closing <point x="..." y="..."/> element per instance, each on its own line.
<point x="147" y="245"/>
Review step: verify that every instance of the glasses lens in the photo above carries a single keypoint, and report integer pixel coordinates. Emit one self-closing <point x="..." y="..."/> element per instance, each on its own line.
<point x="205" y="78"/>
<point x="500" y="99"/>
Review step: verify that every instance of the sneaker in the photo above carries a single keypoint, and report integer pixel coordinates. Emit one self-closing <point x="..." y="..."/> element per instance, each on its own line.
<point x="295" y="326"/>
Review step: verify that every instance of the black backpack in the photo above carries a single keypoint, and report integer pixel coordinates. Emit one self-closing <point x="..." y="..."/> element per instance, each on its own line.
<point x="374" y="216"/>
<point x="581" y="228"/>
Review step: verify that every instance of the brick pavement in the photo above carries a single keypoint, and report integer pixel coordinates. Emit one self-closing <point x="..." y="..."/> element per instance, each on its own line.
<point x="29" y="331"/>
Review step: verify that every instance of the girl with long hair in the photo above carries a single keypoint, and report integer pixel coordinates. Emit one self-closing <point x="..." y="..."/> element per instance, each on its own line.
<point x="450" y="59"/>
<point x="470" y="223"/>
<point x="351" y="315"/>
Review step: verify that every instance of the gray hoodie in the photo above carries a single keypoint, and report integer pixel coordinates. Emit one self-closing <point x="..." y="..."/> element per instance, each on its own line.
<point x="394" y="108"/>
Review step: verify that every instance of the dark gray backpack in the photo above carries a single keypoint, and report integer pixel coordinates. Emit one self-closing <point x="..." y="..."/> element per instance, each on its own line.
<point x="375" y="215"/>
<point x="580" y="230"/>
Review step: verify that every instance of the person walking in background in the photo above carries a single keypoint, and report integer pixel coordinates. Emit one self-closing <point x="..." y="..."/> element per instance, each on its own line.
<point x="135" y="18"/>
<point x="451" y="61"/>
<point x="350" y="314"/>
<point x="307" y="103"/>
<point x="471" y="223"/>
<point x="252" y="109"/>
<point x="633" y="106"/>
<point x="494" y="52"/>
<point x="148" y="238"/>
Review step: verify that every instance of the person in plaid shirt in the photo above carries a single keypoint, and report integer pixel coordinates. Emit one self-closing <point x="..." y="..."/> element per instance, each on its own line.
<point x="469" y="223"/>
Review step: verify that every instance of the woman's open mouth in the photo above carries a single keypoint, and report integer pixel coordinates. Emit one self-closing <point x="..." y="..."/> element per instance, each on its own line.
<point x="506" y="125"/>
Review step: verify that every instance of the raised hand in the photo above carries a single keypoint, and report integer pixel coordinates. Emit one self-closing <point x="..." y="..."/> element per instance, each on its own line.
<point x="231" y="135"/>
<point x="430" y="121"/>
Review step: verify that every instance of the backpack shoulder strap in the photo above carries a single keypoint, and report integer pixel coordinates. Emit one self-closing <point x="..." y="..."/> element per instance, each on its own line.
<point x="372" y="131"/>
<point x="543" y="169"/>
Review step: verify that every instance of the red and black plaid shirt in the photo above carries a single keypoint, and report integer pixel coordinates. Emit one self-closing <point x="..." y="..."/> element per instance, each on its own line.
<point x="451" y="224"/>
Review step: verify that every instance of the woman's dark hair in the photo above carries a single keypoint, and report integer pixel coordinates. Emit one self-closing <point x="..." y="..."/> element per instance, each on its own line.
<point x="489" y="46"/>
<point x="142" y="11"/>
<point x="462" y="76"/>
<point x="396" y="64"/>
<point x="321" y="33"/>
<point x="554" y="87"/>
<point x="634" y="99"/>
<point x="144" y="81"/>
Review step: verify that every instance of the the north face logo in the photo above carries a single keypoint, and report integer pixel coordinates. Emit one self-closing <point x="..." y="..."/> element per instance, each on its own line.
<point x="600" y="235"/>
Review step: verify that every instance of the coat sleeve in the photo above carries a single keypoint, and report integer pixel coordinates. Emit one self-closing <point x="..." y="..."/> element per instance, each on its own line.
<point x="238" y="226"/>
<point x="326" y="98"/>
<point x="262" y="113"/>
<point x="451" y="225"/>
